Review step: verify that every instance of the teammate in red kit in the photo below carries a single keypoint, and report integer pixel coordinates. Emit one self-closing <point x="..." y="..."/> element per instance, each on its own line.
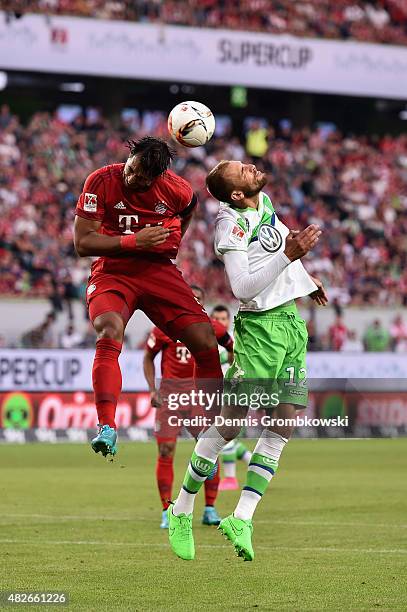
<point x="133" y="216"/>
<point x="177" y="367"/>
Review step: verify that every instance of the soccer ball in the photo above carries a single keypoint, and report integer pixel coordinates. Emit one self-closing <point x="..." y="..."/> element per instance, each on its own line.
<point x="191" y="124"/>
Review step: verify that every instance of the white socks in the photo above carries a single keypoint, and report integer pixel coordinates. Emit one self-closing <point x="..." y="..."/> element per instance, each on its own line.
<point x="262" y="467"/>
<point x="204" y="457"/>
<point x="246" y="457"/>
<point x="229" y="469"/>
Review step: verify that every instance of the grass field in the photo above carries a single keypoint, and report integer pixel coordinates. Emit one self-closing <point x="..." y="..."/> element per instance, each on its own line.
<point x="330" y="533"/>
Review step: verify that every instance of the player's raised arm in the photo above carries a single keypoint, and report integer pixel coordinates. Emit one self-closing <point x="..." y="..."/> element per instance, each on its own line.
<point x="246" y="285"/>
<point x="89" y="242"/>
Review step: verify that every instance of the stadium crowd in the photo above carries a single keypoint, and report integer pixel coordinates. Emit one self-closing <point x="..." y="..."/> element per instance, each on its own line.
<point x="355" y="188"/>
<point x="383" y="21"/>
<point x="375" y="337"/>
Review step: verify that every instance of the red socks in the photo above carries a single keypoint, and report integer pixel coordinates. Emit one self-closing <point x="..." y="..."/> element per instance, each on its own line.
<point x="211" y="489"/>
<point x="165" y="477"/>
<point x="107" y="379"/>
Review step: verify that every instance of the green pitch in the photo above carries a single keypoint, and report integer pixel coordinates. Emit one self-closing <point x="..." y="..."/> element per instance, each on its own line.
<point x="330" y="533"/>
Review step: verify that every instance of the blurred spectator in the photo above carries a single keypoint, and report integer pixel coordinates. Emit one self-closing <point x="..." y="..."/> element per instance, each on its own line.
<point x="398" y="333"/>
<point x="70" y="338"/>
<point x="313" y="340"/>
<point x="89" y="337"/>
<point x="42" y="336"/>
<point x="256" y="141"/>
<point x="376" y="338"/>
<point x="352" y="344"/>
<point x="5" y="116"/>
<point x="50" y="338"/>
<point x="337" y="334"/>
<point x="314" y="343"/>
<point x="374" y="21"/>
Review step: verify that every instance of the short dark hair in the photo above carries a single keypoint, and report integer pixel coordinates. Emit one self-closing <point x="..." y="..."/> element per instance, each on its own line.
<point x="221" y="308"/>
<point x="155" y="154"/>
<point x="219" y="187"/>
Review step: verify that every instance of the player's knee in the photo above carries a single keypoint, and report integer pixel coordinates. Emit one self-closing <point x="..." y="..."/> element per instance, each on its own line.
<point x="166" y="449"/>
<point x="109" y="327"/>
<point x="112" y="332"/>
<point x="199" y="337"/>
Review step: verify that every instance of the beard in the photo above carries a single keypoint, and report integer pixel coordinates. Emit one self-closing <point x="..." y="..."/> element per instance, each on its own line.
<point x="250" y="192"/>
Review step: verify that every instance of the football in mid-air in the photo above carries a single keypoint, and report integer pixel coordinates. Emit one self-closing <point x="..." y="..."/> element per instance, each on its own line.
<point x="192" y="124"/>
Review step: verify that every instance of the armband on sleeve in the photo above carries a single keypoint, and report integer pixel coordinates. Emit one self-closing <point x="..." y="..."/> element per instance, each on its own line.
<point x="189" y="209"/>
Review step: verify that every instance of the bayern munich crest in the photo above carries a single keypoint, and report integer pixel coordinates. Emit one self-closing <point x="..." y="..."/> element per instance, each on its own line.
<point x="160" y="208"/>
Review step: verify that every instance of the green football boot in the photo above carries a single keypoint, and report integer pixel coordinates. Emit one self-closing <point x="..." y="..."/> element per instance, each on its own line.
<point x="180" y="534"/>
<point x="239" y="532"/>
<point x="105" y="441"/>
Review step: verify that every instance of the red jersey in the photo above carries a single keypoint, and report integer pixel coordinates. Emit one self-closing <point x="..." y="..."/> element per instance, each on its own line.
<point x="123" y="211"/>
<point x="176" y="360"/>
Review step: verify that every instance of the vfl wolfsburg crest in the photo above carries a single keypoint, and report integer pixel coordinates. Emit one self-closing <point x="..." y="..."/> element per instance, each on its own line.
<point x="268" y="460"/>
<point x="269" y="238"/>
<point x="202" y="465"/>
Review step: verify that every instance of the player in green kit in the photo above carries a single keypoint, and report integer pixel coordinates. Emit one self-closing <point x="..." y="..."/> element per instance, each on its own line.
<point x="262" y="259"/>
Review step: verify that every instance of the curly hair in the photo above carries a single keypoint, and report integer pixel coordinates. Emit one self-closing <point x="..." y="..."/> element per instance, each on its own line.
<point x="155" y="155"/>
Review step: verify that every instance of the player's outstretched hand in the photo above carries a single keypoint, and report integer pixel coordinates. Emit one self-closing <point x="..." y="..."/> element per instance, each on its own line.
<point x="297" y="244"/>
<point x="151" y="236"/>
<point x="319" y="296"/>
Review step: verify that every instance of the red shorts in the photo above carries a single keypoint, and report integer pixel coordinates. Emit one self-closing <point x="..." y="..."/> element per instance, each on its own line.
<point x="148" y="282"/>
<point x="168" y="423"/>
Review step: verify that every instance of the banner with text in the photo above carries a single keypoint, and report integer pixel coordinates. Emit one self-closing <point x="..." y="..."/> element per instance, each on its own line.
<point x="149" y="51"/>
<point x="63" y="370"/>
<point x="64" y="416"/>
<point x="71" y="370"/>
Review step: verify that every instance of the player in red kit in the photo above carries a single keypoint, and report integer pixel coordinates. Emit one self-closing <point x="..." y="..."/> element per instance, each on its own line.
<point x="133" y="216"/>
<point x="177" y="367"/>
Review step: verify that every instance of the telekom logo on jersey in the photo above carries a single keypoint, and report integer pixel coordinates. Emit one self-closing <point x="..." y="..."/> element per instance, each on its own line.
<point x="127" y="221"/>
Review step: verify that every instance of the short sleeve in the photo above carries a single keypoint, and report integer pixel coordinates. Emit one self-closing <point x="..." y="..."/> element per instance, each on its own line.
<point x="229" y="236"/>
<point x="91" y="202"/>
<point x="222" y="335"/>
<point x="156" y="341"/>
<point x="187" y="199"/>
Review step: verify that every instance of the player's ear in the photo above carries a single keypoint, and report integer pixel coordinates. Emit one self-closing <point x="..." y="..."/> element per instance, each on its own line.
<point x="236" y="195"/>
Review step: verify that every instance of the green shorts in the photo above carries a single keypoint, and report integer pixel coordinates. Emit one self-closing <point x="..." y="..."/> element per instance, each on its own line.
<point x="269" y="357"/>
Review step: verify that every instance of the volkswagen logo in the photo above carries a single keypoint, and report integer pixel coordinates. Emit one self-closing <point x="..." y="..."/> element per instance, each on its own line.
<point x="269" y="238"/>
